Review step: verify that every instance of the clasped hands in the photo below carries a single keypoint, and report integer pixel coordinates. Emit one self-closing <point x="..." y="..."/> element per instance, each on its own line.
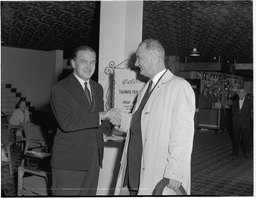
<point x="113" y="115"/>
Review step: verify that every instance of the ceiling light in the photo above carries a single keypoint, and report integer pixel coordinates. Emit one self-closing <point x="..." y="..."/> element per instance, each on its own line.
<point x="194" y="52"/>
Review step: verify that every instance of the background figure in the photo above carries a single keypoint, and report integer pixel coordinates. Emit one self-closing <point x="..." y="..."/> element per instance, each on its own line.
<point x="242" y="112"/>
<point x="211" y="97"/>
<point x="19" y="116"/>
<point x="77" y="103"/>
<point x="232" y="96"/>
<point x="160" y="129"/>
<point x="216" y="95"/>
<point x="203" y="100"/>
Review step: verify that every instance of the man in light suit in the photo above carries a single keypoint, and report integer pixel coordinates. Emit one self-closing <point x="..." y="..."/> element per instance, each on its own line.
<point x="160" y="129"/>
<point x="242" y="112"/>
<point x="77" y="103"/>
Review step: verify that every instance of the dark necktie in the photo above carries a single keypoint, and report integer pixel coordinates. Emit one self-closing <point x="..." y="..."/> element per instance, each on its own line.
<point x="87" y="93"/>
<point x="149" y="89"/>
<point x="135" y="144"/>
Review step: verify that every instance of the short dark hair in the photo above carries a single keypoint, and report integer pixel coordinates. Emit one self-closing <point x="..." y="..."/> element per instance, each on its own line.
<point x="82" y="48"/>
<point x="20" y="101"/>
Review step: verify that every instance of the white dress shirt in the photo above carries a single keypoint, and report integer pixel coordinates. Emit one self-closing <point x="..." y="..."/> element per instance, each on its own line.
<point x="157" y="77"/>
<point x="81" y="81"/>
<point x="241" y="102"/>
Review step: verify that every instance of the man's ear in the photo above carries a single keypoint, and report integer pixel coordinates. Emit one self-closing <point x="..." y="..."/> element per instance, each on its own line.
<point x="153" y="56"/>
<point x="72" y="62"/>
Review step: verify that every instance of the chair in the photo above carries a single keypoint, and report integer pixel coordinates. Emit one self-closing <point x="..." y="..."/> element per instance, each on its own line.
<point x="34" y="171"/>
<point x="33" y="183"/>
<point x="13" y="129"/>
<point x="5" y="147"/>
<point x="18" y="140"/>
<point x="35" y="145"/>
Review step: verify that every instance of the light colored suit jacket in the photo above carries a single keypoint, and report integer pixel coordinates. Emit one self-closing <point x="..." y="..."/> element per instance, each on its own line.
<point x="167" y="122"/>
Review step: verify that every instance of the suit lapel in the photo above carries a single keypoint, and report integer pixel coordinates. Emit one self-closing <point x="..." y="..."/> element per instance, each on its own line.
<point x="166" y="77"/>
<point x="95" y="96"/>
<point x="77" y="91"/>
<point x="140" y="97"/>
<point x="245" y="103"/>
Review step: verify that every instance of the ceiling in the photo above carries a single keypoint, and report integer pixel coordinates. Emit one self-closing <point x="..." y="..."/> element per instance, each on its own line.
<point x="222" y="29"/>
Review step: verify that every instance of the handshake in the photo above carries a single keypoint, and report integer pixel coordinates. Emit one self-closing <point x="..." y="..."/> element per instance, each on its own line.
<point x="113" y="115"/>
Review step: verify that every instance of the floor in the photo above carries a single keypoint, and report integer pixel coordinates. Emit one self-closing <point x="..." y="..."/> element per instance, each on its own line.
<point x="214" y="171"/>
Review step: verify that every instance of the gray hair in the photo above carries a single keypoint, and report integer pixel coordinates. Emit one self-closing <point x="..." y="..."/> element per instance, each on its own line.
<point x="152" y="44"/>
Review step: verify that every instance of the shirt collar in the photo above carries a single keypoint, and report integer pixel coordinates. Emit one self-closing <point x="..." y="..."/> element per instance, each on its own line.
<point x="81" y="81"/>
<point x="156" y="77"/>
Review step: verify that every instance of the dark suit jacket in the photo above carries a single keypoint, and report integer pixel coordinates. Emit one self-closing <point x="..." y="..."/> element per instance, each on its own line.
<point x="75" y="142"/>
<point x="242" y="117"/>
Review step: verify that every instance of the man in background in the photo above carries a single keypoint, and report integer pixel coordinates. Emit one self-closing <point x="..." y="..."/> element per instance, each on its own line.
<point x="242" y="112"/>
<point x="203" y="99"/>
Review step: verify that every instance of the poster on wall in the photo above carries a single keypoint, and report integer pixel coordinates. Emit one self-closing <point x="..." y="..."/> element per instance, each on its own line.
<point x="126" y="88"/>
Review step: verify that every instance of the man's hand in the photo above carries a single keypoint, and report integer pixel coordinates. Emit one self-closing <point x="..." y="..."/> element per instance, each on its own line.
<point x="173" y="184"/>
<point x="113" y="115"/>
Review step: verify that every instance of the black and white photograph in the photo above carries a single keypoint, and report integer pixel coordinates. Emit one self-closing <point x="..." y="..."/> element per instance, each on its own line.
<point x="127" y="98"/>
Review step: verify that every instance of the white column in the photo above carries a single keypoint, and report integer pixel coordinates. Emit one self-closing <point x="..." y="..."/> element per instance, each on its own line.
<point x="58" y="64"/>
<point x="120" y="34"/>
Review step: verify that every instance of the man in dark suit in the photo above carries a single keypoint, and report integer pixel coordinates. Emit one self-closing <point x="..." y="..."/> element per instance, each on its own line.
<point x="242" y="111"/>
<point x="203" y="100"/>
<point x="77" y="103"/>
<point x="211" y="96"/>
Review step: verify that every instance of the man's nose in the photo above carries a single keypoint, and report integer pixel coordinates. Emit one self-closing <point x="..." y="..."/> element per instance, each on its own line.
<point x="136" y="63"/>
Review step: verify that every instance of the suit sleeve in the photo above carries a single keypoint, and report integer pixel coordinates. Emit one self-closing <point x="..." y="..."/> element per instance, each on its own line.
<point x="68" y="118"/>
<point x="235" y="107"/>
<point x="181" y="133"/>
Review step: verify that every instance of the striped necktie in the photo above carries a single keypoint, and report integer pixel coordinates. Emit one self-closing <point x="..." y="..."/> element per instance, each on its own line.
<point x="87" y="93"/>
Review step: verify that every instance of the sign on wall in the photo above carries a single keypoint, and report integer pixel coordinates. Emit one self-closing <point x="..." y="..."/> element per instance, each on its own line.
<point x="243" y="66"/>
<point x="126" y="88"/>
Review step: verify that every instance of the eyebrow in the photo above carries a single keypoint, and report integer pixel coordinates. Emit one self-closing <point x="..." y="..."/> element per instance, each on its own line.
<point x="87" y="60"/>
